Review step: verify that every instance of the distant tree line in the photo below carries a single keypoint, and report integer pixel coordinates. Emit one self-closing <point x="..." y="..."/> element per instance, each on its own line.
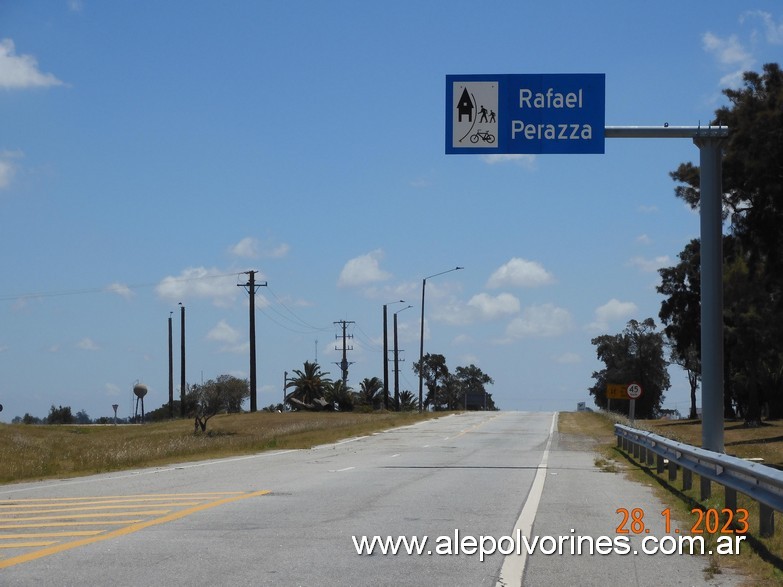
<point x="312" y="389"/>
<point x="57" y="415"/>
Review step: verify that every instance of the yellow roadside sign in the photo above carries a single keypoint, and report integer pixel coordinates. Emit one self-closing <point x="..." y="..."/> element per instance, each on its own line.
<point x="616" y="391"/>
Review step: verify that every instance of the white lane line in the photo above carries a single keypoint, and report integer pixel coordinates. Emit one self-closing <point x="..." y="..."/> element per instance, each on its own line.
<point x="514" y="564"/>
<point x="341" y="470"/>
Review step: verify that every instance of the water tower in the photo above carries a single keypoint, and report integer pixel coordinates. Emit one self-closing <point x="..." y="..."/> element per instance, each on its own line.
<point x="139" y="390"/>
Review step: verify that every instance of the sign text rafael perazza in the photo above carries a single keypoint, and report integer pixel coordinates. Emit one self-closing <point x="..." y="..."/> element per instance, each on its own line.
<point x="550" y="100"/>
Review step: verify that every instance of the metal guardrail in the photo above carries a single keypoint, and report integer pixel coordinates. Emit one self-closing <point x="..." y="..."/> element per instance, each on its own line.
<point x="761" y="483"/>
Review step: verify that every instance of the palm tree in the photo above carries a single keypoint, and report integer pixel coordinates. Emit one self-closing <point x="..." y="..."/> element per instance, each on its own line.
<point x="341" y="396"/>
<point x="408" y="402"/>
<point x="309" y="387"/>
<point x="369" y="392"/>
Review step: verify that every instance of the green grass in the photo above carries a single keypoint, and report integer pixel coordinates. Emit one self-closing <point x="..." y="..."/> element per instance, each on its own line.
<point x="31" y="452"/>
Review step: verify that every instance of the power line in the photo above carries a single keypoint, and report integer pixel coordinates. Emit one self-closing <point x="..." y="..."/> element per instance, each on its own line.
<point x="105" y="289"/>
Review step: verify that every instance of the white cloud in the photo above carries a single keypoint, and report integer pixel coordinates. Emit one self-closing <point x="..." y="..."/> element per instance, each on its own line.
<point x="363" y="270"/>
<point x="612" y="311"/>
<point x="520" y="273"/>
<point x="546" y="320"/>
<point x="87" y="344"/>
<point x="250" y="248"/>
<point x="277" y="252"/>
<point x="223" y="332"/>
<point x="488" y="307"/>
<point x="21" y="71"/>
<point x="229" y="337"/>
<point x="650" y="265"/>
<point x="568" y="359"/>
<point x="6" y="173"/>
<point x="246" y="248"/>
<point x="112" y="390"/>
<point x="121" y="290"/>
<point x="8" y="167"/>
<point x="773" y="30"/>
<point x="644" y="239"/>
<point x="199" y="282"/>
<point x="526" y="161"/>
<point x="730" y="54"/>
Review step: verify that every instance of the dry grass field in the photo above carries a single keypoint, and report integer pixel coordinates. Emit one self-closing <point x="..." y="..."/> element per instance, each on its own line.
<point x="29" y="452"/>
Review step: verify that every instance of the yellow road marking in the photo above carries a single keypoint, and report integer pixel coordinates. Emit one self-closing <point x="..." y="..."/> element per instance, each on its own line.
<point x="51" y="534"/>
<point x="82" y="516"/>
<point x="85" y="508"/>
<point x="59" y="524"/>
<point x="127" y="529"/>
<point x="140" y="497"/>
<point x="27" y="544"/>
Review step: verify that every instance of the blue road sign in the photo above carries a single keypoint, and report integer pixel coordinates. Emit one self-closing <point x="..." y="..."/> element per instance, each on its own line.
<point x="525" y="113"/>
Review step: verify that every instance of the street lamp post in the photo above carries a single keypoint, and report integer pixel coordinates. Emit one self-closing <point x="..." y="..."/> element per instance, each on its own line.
<point x="421" y="340"/>
<point x="397" y="364"/>
<point x="182" y="382"/>
<point x="386" y="356"/>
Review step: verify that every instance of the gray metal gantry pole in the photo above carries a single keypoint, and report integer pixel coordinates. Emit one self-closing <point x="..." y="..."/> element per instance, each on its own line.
<point x="709" y="140"/>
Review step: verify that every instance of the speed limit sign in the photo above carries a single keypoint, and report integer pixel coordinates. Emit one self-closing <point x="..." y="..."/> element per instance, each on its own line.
<point x="634" y="391"/>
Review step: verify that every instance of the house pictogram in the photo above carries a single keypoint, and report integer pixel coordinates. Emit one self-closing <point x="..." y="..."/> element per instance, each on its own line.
<point x="465" y="106"/>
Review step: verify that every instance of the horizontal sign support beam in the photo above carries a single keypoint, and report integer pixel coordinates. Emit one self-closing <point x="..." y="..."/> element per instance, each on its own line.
<point x="665" y="132"/>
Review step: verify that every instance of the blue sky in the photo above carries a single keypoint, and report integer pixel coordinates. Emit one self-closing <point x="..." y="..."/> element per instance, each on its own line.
<point x="151" y="152"/>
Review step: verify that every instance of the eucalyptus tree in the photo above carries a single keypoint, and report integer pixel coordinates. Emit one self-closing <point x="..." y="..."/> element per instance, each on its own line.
<point x="635" y="355"/>
<point x="753" y="250"/>
<point x="434" y="373"/>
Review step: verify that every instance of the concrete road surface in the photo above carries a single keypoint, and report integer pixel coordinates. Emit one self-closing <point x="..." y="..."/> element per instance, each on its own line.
<point x="461" y="490"/>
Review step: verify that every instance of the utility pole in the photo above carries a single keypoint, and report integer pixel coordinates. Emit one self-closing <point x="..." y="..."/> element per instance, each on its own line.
<point x="386" y="356"/>
<point x="171" y="370"/>
<point x="182" y="361"/>
<point x="344" y="363"/>
<point x="251" y="286"/>
<point x="397" y="363"/>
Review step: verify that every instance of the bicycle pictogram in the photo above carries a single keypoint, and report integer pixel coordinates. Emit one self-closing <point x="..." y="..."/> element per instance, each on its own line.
<point x="485" y="136"/>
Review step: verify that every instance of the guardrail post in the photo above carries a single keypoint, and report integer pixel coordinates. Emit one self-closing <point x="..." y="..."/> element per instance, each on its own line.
<point x="650" y="458"/>
<point x="730" y="499"/>
<point x="706" y="489"/>
<point x="659" y="464"/>
<point x="687" y="479"/>
<point x="636" y="451"/>
<point x="642" y="454"/>
<point x="766" y="520"/>
<point x="672" y="470"/>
